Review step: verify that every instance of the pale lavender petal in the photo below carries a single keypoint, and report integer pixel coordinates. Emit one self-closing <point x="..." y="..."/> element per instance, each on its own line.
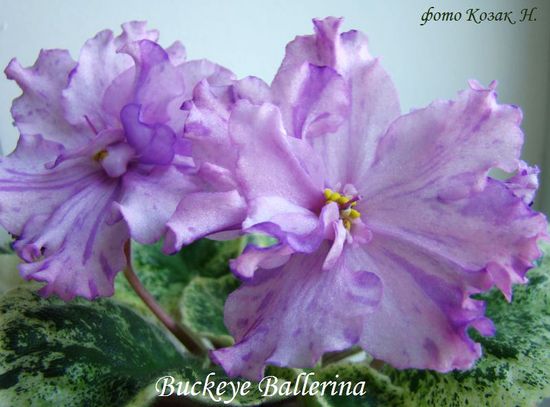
<point x="280" y="218"/>
<point x="219" y="178"/>
<point x="339" y="238"/>
<point x="58" y="218"/>
<point x="88" y="150"/>
<point x="202" y="213"/>
<point x="254" y="257"/>
<point x="253" y="89"/>
<point x="454" y="144"/>
<point x="313" y="100"/>
<point x="267" y="164"/>
<point x="370" y="296"/>
<point x="135" y="31"/>
<point x="29" y="190"/>
<point x="369" y="92"/>
<point x="525" y="182"/>
<point x="206" y="127"/>
<point x="177" y="53"/>
<point x="426" y="297"/>
<point x="149" y="200"/>
<point x="490" y="229"/>
<point x="198" y="70"/>
<point x="38" y="110"/>
<point x="290" y="316"/>
<point x="77" y="253"/>
<point x="343" y="52"/>
<point x="117" y="159"/>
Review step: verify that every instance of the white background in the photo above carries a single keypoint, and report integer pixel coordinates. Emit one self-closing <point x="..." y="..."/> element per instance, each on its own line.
<point x="248" y="36"/>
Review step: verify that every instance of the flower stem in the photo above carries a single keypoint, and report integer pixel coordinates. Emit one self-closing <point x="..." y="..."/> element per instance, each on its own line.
<point x="181" y="332"/>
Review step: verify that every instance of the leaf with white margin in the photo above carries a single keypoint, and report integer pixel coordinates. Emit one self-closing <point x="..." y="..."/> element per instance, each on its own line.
<point x="79" y="353"/>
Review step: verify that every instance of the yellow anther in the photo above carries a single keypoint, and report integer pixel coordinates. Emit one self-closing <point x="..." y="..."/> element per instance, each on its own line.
<point x="354" y="214"/>
<point x="343" y="200"/>
<point x="347" y="213"/>
<point x="100" y="155"/>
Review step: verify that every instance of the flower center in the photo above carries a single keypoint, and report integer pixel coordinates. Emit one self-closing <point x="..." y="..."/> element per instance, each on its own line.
<point x="100" y="155"/>
<point x="346" y="205"/>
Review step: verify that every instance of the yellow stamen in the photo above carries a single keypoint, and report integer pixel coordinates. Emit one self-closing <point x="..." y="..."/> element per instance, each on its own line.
<point x="100" y="155"/>
<point x="354" y="214"/>
<point x="347" y="213"/>
<point x="343" y="200"/>
<point x="347" y="224"/>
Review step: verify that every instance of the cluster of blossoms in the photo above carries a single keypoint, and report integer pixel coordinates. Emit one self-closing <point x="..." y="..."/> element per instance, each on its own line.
<point x="386" y="224"/>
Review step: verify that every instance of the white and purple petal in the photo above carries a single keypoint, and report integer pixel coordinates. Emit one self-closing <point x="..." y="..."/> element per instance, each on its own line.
<point x="292" y="315"/>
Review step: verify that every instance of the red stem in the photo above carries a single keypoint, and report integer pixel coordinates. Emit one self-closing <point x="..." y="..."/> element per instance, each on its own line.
<point x="184" y="334"/>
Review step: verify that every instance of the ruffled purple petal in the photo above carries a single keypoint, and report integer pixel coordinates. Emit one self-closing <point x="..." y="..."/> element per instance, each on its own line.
<point x="58" y="218"/>
<point x="159" y="85"/>
<point x="77" y="253"/>
<point x="364" y="96"/>
<point x="290" y="316"/>
<point x="369" y="296"/>
<point x="98" y="65"/>
<point x="153" y="144"/>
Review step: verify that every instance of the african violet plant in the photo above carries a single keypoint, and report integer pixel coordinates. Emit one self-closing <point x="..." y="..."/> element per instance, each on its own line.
<point x="375" y="241"/>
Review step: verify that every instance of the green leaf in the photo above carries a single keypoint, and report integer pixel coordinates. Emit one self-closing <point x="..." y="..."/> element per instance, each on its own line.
<point x="9" y="274"/>
<point x="97" y="353"/>
<point x="202" y="306"/>
<point x="165" y="276"/>
<point x="79" y="353"/>
<point x="515" y="368"/>
<point x="356" y="385"/>
<point x="210" y="258"/>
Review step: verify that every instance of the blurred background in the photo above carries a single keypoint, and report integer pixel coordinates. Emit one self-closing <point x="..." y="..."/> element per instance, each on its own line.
<point x="427" y="62"/>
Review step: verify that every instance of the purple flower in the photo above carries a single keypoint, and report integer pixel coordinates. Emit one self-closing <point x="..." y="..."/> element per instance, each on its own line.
<point x="387" y="223"/>
<point x="218" y="210"/>
<point x="100" y="159"/>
